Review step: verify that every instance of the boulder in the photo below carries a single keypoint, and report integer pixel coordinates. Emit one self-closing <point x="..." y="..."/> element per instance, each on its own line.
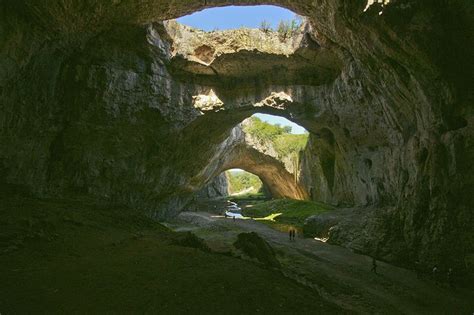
<point x="253" y="246"/>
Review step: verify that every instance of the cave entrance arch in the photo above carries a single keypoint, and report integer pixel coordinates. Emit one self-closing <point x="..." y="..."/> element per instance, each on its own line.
<point x="271" y="151"/>
<point x="241" y="183"/>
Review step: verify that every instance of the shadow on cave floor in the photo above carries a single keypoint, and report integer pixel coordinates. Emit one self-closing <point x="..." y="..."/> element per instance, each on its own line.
<point x="77" y="256"/>
<point x="341" y="276"/>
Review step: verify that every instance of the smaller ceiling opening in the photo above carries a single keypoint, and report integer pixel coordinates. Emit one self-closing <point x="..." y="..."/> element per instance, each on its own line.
<point x="265" y="160"/>
<point x="290" y="126"/>
<point x="278" y="136"/>
<point x="379" y="4"/>
<point x="265" y="17"/>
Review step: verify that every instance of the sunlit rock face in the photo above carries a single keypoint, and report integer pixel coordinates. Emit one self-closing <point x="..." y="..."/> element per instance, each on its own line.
<point x="100" y="98"/>
<point x="260" y="158"/>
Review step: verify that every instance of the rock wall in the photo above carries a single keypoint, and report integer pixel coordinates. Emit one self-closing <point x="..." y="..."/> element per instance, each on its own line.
<point x="261" y="159"/>
<point x="100" y="98"/>
<point x="218" y="188"/>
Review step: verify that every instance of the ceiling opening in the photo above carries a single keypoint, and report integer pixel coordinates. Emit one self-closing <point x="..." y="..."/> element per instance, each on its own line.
<point x="235" y="17"/>
<point x="283" y="122"/>
<point x="277" y="136"/>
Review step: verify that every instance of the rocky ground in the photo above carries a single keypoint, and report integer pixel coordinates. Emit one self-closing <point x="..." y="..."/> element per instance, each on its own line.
<point x="77" y="256"/>
<point x="338" y="274"/>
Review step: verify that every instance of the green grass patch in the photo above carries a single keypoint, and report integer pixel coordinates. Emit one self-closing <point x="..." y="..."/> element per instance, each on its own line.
<point x="285" y="143"/>
<point x="249" y="196"/>
<point x="293" y="212"/>
<point x="240" y="181"/>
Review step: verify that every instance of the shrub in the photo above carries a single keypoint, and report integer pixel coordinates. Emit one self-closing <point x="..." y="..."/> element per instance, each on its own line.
<point x="264" y="131"/>
<point x="284" y="29"/>
<point x="265" y="26"/>
<point x="289" y="144"/>
<point x="287" y="29"/>
<point x="283" y="141"/>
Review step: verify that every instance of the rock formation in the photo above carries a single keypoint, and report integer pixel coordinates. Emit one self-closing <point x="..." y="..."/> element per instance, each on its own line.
<point x="218" y="188"/>
<point x="247" y="153"/>
<point x="102" y="98"/>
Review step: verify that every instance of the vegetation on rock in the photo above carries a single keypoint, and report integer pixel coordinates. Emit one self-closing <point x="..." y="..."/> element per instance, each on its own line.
<point x="287" y="29"/>
<point x="265" y="26"/>
<point x="293" y="212"/>
<point x="243" y="181"/>
<point x="280" y="137"/>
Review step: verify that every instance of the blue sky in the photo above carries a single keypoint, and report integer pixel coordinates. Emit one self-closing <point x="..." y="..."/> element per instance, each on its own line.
<point x="231" y="17"/>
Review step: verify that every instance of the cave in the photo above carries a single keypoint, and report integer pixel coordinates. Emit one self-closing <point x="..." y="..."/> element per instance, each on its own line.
<point x="117" y="103"/>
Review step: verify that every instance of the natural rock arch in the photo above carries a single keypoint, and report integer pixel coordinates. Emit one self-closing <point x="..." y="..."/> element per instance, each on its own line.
<point x="247" y="155"/>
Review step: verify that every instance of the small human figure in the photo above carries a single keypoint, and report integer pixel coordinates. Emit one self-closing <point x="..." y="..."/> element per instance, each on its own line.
<point x="290" y="234"/>
<point x="418" y="269"/>
<point x="374" y="265"/>
<point x="449" y="277"/>
<point x="435" y="273"/>
<point x="233" y="218"/>
<point x="294" y="234"/>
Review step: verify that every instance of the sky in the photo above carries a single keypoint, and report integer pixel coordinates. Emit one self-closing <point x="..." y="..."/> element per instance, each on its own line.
<point x="295" y="129"/>
<point x="232" y="17"/>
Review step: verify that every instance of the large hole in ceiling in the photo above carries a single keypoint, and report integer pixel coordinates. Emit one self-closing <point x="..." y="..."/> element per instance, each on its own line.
<point x="234" y="17"/>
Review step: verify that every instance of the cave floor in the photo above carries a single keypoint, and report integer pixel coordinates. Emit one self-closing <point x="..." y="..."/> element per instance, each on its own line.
<point x="339" y="275"/>
<point x="77" y="256"/>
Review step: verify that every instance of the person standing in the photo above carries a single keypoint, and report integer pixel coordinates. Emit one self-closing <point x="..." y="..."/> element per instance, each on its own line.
<point x="374" y="265"/>
<point x="435" y="273"/>
<point x="418" y="269"/>
<point x="290" y="234"/>
<point x="449" y="277"/>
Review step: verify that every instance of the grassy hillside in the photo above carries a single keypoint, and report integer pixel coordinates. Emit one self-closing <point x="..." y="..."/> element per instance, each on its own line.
<point x="292" y="212"/>
<point x="240" y="181"/>
<point x="285" y="143"/>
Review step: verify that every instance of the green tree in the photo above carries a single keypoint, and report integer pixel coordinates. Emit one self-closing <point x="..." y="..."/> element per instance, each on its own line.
<point x="280" y="137"/>
<point x="239" y="181"/>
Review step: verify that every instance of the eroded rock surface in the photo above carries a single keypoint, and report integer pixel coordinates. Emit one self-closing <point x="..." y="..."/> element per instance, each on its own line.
<point x="94" y="100"/>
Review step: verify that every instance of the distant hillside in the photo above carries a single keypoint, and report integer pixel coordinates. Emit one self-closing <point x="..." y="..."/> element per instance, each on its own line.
<point x="242" y="181"/>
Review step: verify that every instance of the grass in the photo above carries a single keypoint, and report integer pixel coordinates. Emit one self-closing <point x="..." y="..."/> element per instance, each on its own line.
<point x="240" y="181"/>
<point x="249" y="196"/>
<point x="283" y="141"/>
<point x="293" y="212"/>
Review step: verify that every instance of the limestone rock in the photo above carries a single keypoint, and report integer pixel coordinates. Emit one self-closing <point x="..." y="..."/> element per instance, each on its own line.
<point x="252" y="245"/>
<point x="98" y="98"/>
